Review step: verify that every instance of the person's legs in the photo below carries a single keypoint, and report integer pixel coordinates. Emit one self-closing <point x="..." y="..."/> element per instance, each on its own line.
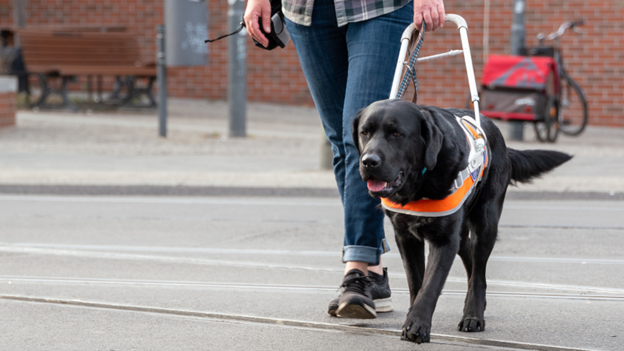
<point x="373" y="48"/>
<point x="344" y="73"/>
<point x="322" y="51"/>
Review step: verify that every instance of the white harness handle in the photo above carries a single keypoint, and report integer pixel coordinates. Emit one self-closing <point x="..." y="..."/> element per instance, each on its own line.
<point x="463" y="33"/>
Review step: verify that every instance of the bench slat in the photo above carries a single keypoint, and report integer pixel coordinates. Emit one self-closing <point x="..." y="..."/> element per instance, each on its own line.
<point x="44" y="48"/>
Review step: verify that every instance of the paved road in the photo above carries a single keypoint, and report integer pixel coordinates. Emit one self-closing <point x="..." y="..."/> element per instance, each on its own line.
<point x="123" y="273"/>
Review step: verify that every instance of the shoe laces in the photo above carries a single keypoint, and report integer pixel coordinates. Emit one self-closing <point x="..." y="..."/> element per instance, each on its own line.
<point x="357" y="284"/>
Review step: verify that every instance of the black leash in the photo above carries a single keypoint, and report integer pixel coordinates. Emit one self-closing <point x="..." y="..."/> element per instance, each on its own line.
<point x="242" y="25"/>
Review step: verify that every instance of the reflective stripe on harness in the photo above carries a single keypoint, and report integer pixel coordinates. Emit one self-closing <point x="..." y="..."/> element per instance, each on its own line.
<point x="463" y="185"/>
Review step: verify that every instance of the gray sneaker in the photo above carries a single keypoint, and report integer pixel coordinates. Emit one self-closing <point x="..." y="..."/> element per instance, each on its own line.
<point x="380" y="291"/>
<point x="356" y="300"/>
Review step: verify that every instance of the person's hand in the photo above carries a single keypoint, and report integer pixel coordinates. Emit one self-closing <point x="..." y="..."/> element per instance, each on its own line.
<point x="432" y="11"/>
<point x="258" y="9"/>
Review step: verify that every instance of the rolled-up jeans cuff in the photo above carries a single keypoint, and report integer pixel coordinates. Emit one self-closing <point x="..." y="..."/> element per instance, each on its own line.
<point x="366" y="254"/>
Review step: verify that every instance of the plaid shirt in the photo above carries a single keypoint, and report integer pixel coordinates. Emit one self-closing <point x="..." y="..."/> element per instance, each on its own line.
<point x="300" y="11"/>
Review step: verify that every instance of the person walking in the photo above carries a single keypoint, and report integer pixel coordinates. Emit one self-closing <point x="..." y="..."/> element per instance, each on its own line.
<point x="348" y="51"/>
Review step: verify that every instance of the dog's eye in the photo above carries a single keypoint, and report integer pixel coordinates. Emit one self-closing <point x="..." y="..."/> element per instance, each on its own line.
<point x="364" y="133"/>
<point x="397" y="134"/>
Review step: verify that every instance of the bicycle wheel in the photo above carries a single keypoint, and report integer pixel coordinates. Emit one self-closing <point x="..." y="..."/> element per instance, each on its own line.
<point x="572" y="108"/>
<point x="547" y="128"/>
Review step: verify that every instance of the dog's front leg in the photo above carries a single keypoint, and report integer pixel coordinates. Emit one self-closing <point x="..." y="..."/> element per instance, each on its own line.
<point x="417" y="326"/>
<point x="412" y="251"/>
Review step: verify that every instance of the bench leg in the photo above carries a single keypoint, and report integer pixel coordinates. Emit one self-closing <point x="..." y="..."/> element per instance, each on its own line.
<point x="99" y="87"/>
<point x="120" y="84"/>
<point x="129" y="81"/>
<point x="90" y="88"/>
<point x="150" y="91"/>
<point x="45" y="90"/>
<point x="65" y="95"/>
<point x="135" y="91"/>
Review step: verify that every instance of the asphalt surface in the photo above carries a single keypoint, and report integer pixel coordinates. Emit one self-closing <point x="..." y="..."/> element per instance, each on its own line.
<point x="112" y="238"/>
<point x="278" y="258"/>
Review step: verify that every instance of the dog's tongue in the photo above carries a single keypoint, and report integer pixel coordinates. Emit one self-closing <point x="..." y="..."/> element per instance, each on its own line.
<point x="375" y="185"/>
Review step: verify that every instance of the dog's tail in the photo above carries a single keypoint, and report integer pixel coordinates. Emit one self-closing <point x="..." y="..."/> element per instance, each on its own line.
<point x="528" y="164"/>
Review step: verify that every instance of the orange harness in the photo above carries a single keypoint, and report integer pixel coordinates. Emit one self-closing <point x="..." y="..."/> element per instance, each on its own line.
<point x="463" y="185"/>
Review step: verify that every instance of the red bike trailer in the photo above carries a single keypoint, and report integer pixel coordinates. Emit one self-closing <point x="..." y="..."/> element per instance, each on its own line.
<point x="518" y="87"/>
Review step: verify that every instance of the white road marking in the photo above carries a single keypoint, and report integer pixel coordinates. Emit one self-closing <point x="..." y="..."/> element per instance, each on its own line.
<point x="290" y="287"/>
<point x="240" y="201"/>
<point x="262" y="265"/>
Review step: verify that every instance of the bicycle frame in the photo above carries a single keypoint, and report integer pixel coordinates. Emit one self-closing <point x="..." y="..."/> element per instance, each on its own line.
<point x="564" y="86"/>
<point x="557" y="57"/>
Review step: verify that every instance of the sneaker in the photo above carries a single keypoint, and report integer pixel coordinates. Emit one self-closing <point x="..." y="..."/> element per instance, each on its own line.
<point x="380" y="292"/>
<point x="356" y="300"/>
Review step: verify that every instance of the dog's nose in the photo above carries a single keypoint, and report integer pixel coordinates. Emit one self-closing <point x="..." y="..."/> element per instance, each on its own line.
<point x="371" y="161"/>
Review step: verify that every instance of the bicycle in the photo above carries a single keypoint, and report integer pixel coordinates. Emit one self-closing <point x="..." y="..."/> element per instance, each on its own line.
<point x="566" y="110"/>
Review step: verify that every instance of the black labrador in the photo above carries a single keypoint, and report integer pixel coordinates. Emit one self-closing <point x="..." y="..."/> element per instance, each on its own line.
<point x="396" y="140"/>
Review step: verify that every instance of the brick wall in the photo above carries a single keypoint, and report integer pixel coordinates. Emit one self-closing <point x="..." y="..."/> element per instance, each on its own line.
<point x="272" y="76"/>
<point x="6" y="13"/>
<point x="595" y="58"/>
<point x="7" y="108"/>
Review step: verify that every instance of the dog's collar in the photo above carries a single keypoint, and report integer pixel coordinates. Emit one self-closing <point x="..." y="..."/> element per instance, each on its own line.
<point x="463" y="185"/>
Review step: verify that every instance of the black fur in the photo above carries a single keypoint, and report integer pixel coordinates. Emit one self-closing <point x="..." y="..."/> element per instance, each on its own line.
<point x="396" y="141"/>
<point x="528" y="164"/>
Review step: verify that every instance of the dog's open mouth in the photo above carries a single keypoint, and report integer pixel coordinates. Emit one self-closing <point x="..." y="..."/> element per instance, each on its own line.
<point x="376" y="185"/>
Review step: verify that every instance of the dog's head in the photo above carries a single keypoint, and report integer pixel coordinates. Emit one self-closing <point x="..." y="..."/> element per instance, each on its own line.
<point x="396" y="141"/>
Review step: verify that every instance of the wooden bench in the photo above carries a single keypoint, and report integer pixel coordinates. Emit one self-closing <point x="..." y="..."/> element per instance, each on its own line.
<point x="66" y="54"/>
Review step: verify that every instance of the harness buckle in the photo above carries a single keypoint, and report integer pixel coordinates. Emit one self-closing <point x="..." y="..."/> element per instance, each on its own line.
<point x="461" y="182"/>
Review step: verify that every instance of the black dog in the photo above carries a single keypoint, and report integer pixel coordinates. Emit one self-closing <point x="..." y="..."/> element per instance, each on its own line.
<point x="410" y="152"/>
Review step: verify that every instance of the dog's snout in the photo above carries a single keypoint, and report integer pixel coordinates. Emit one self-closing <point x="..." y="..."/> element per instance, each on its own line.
<point x="371" y="161"/>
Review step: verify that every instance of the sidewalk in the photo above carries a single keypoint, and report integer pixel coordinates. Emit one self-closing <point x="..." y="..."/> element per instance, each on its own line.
<point x="282" y="151"/>
<point x="256" y="272"/>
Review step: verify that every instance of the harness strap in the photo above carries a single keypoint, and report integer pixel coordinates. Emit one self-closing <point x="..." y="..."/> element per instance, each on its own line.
<point x="462" y="186"/>
<point x="433" y="208"/>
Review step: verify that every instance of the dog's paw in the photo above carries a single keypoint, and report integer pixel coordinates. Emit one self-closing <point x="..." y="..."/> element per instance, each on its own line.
<point x="471" y="324"/>
<point x="417" y="332"/>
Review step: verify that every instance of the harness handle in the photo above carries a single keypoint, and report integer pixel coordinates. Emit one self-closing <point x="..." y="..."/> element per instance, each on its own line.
<point x="462" y="27"/>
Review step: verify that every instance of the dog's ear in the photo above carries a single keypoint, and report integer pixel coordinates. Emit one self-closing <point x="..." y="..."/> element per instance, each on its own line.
<point x="354" y="130"/>
<point x="432" y="138"/>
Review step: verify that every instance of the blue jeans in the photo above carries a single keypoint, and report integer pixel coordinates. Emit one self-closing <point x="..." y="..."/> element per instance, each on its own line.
<point x="347" y="69"/>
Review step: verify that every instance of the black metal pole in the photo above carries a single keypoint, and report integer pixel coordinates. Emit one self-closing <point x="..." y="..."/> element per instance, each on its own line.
<point x="516" y="128"/>
<point x="237" y="70"/>
<point x="162" y="81"/>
